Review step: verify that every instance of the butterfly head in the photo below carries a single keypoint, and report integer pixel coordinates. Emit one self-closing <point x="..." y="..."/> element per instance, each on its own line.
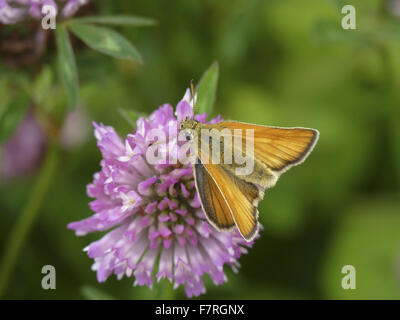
<point x="188" y="126"/>
<point x="188" y="123"/>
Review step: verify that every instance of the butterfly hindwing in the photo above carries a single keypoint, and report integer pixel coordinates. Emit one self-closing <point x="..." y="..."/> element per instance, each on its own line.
<point x="240" y="198"/>
<point x="213" y="202"/>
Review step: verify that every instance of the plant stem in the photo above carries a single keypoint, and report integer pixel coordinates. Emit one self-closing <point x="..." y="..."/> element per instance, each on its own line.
<point x="164" y="291"/>
<point x="391" y="63"/>
<point x="27" y="218"/>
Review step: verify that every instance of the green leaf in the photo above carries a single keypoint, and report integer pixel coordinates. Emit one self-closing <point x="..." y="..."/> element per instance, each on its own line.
<point x="4" y="94"/>
<point x="92" y="293"/>
<point x="131" y="116"/>
<point x="207" y="88"/>
<point x="12" y="115"/>
<point x="42" y="86"/>
<point x="67" y="66"/>
<point x="106" y="41"/>
<point x="134" y="21"/>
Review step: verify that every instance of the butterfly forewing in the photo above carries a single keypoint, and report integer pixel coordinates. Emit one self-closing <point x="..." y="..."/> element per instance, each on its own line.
<point x="278" y="148"/>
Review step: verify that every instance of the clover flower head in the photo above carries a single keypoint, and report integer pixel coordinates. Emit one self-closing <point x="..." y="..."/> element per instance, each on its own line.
<point x="152" y="212"/>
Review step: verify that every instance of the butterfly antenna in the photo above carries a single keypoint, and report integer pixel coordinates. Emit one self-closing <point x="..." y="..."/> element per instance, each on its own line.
<point x="192" y="88"/>
<point x="193" y="95"/>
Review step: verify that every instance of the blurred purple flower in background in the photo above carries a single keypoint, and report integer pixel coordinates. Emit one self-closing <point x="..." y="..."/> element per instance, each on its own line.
<point x="13" y="11"/>
<point x="23" y="152"/>
<point x="158" y="227"/>
<point x="75" y="130"/>
<point x="394" y="7"/>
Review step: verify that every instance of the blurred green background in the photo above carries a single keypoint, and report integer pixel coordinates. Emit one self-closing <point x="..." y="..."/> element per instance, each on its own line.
<point x="282" y="63"/>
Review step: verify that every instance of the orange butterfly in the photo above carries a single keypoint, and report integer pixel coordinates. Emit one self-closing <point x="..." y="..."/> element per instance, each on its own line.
<point x="230" y="199"/>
